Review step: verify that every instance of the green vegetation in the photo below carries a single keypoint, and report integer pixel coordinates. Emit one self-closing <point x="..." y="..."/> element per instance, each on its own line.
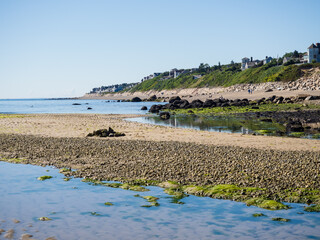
<point x="13" y="160"/>
<point x="266" y="204"/>
<point x="11" y="116"/>
<point x="42" y="178"/>
<point x="313" y="208"/>
<point x="270" y="107"/>
<point x="226" y="75"/>
<point x="258" y="215"/>
<point x="125" y="186"/>
<point x="108" y="204"/>
<point x="278" y="219"/>
<point x="65" y="170"/>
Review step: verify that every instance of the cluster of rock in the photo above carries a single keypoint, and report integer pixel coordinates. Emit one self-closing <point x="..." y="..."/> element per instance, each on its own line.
<point x="178" y="103"/>
<point x="137" y="99"/>
<point x="106" y="133"/>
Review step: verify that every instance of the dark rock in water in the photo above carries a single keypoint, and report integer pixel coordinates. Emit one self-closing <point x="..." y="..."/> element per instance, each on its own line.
<point x="164" y="115"/>
<point x="118" y="100"/>
<point x="155" y="108"/>
<point x="144" y="108"/>
<point x="196" y="104"/>
<point x="105" y="133"/>
<point x="76" y="103"/>
<point x="136" y="99"/>
<point x="89" y="108"/>
<point x="171" y="100"/>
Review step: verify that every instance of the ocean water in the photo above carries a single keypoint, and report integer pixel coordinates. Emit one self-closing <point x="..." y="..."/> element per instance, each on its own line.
<point x="70" y="206"/>
<point x="14" y="106"/>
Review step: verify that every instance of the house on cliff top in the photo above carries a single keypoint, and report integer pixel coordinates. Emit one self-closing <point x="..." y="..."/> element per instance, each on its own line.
<point x="314" y="53"/>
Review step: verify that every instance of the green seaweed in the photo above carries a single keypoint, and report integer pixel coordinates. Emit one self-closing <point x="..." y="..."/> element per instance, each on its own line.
<point x="65" y="170"/>
<point x="150" y="198"/>
<point x="13" y="160"/>
<point x="66" y="179"/>
<point x="108" y="204"/>
<point x="313" y="208"/>
<point x="296" y="134"/>
<point x="266" y="204"/>
<point x="278" y="219"/>
<point x="42" y="178"/>
<point x="125" y="186"/>
<point x="258" y="215"/>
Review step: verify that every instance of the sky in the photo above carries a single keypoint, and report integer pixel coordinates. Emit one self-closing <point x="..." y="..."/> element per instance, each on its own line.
<point x="64" y="48"/>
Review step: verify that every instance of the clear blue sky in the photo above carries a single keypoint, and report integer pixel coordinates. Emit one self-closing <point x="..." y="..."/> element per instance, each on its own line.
<point x="64" y="48"/>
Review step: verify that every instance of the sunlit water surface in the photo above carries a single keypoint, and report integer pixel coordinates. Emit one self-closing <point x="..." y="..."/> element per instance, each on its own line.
<point x="70" y="206"/>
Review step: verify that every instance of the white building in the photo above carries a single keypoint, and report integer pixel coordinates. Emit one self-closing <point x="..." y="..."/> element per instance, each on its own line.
<point x="314" y="52"/>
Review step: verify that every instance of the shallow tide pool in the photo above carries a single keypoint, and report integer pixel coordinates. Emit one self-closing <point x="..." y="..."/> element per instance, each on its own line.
<point x="77" y="211"/>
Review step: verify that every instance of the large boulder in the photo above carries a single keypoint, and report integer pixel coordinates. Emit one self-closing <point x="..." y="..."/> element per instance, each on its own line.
<point x="105" y="133"/>
<point x="209" y="103"/>
<point x="144" y="108"/>
<point x="196" y="104"/>
<point x="155" y="108"/>
<point x="136" y="99"/>
<point x="152" y="98"/>
<point x="171" y="100"/>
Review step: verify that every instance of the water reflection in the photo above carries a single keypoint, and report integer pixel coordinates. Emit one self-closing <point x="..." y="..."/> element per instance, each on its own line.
<point x="230" y="124"/>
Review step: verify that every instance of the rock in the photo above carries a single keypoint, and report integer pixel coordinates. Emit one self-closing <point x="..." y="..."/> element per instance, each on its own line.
<point x="156" y="108"/>
<point x="171" y="100"/>
<point x="310" y="98"/>
<point x="269" y="90"/>
<point x="136" y="99"/>
<point x="89" y="108"/>
<point x="164" y="115"/>
<point x="209" y="103"/>
<point x="144" y="108"/>
<point x="152" y="98"/>
<point x="106" y="133"/>
<point x="196" y="104"/>
<point x="9" y="234"/>
<point x="76" y="104"/>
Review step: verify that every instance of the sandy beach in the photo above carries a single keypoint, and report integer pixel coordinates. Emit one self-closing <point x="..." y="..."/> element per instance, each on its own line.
<point x="79" y="125"/>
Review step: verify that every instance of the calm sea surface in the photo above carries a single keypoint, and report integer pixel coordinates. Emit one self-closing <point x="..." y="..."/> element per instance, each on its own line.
<point x="77" y="209"/>
<point x="66" y="106"/>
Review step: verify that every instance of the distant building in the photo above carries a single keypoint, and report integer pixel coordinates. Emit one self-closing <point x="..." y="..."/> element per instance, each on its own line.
<point x="248" y="63"/>
<point x="314" y="52"/>
<point x="196" y="76"/>
<point x="267" y="60"/>
<point x="286" y="59"/>
<point x="243" y="63"/>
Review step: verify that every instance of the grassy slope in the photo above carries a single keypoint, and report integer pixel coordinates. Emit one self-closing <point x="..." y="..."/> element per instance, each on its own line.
<point x="226" y="76"/>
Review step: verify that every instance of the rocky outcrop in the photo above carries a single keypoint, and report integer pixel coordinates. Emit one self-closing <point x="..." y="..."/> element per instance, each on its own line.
<point x="105" y="133"/>
<point x="177" y="103"/>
